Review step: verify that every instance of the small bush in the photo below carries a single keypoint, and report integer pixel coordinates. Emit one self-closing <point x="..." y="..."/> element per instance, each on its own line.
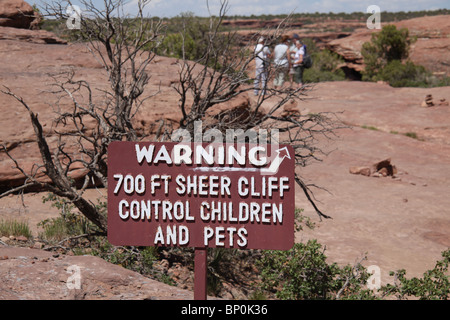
<point x="188" y="38"/>
<point x="385" y="57"/>
<point x="434" y="285"/>
<point x="303" y="273"/>
<point x="411" y="135"/>
<point x="301" y="221"/>
<point x="370" y="127"/>
<point x="177" y="46"/>
<point x="68" y="224"/>
<point x="385" y="46"/>
<point x="325" y="65"/>
<point x="399" y="74"/>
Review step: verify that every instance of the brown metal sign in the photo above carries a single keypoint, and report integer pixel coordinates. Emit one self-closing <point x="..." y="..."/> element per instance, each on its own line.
<point x="201" y="195"/>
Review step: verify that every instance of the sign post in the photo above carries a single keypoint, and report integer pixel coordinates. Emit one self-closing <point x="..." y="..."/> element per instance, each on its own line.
<point x="201" y="195"/>
<point x="200" y="273"/>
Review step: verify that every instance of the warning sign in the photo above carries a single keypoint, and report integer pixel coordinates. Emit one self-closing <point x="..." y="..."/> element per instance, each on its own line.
<point x="201" y="195"/>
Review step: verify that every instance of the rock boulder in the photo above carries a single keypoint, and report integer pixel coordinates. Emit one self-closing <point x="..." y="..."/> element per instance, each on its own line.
<point x="16" y="14"/>
<point x="34" y="36"/>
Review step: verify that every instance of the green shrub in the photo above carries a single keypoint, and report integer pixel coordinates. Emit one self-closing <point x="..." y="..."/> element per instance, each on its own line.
<point x="434" y="285"/>
<point x="300" y="220"/>
<point x="67" y="224"/>
<point x="187" y="37"/>
<point x="385" y="57"/>
<point x="399" y="74"/>
<point x="303" y="273"/>
<point x="412" y="135"/>
<point x="175" y="45"/>
<point x="370" y="127"/>
<point x="325" y="64"/>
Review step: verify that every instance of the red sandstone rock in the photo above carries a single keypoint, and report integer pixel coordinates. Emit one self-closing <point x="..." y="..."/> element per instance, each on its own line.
<point x="34" y="36"/>
<point x="430" y="49"/>
<point x="396" y="234"/>
<point x="16" y="14"/>
<point x="33" y="274"/>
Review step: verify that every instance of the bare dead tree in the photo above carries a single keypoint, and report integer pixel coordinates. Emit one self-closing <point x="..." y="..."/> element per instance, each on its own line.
<point x="124" y="46"/>
<point x="54" y="169"/>
<point x="118" y="42"/>
<point x="224" y="72"/>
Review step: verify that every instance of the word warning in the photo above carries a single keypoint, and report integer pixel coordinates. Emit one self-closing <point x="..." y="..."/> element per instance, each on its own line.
<point x="201" y="195"/>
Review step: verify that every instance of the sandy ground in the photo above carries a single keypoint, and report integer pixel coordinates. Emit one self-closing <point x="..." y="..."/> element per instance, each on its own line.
<point x="401" y="222"/>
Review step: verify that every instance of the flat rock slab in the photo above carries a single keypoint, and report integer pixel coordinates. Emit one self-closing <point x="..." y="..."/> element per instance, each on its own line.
<point x="36" y="274"/>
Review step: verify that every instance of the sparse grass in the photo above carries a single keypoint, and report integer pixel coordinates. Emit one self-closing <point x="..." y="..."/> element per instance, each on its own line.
<point x="54" y="229"/>
<point x="68" y="224"/>
<point x="370" y="128"/>
<point x="411" y="135"/>
<point x="407" y="134"/>
<point x="14" y="228"/>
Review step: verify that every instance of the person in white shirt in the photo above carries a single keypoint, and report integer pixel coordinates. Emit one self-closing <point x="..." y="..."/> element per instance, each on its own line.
<point x="298" y="63"/>
<point x="281" y="61"/>
<point x="262" y="56"/>
<point x="292" y="50"/>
